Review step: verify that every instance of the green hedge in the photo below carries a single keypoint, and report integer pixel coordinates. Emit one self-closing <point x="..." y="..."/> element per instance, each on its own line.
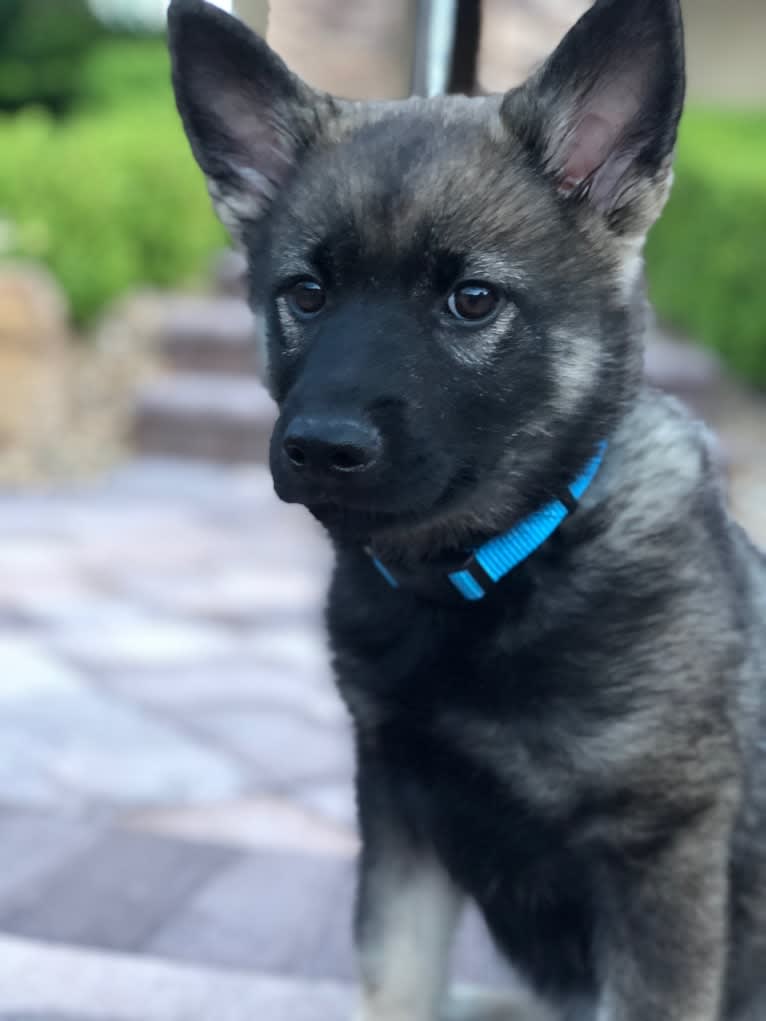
<point x="126" y="70"/>
<point x="706" y="256"/>
<point x="111" y="199"/>
<point x="108" y="202"/>
<point x="43" y="49"/>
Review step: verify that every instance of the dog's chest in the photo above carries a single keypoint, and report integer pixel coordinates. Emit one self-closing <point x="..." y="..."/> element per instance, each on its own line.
<point x="512" y="853"/>
<point x="472" y="764"/>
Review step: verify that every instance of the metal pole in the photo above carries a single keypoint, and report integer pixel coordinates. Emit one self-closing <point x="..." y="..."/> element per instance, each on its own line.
<point x="434" y="44"/>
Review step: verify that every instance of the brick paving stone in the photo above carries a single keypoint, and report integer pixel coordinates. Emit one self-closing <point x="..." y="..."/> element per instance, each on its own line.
<point x="332" y="800"/>
<point x="198" y="484"/>
<point x="136" y="638"/>
<point x="61" y="603"/>
<point x="288" y="914"/>
<point x="234" y="682"/>
<point x="199" y="901"/>
<point x="49" y="983"/>
<point x="62" y="743"/>
<point x="259" y="822"/>
<point x="236" y="593"/>
<point x="45" y="983"/>
<point x="116" y="893"/>
<point x="33" y="846"/>
<point x="281" y="914"/>
<point x="280" y="744"/>
<point x="109" y="555"/>
<point x="294" y="648"/>
<point x="35" y="558"/>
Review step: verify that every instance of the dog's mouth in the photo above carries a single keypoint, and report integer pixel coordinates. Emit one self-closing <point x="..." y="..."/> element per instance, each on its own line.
<point x="368" y="523"/>
<point x="354" y="522"/>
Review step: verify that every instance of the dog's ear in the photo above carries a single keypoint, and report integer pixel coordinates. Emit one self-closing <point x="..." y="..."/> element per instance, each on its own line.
<point x="601" y="115"/>
<point x="247" y="117"/>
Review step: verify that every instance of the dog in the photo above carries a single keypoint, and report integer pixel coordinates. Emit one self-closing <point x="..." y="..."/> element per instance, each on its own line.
<point x="550" y="635"/>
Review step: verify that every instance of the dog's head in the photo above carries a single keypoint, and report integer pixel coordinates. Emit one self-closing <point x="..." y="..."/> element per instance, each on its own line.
<point x="450" y="289"/>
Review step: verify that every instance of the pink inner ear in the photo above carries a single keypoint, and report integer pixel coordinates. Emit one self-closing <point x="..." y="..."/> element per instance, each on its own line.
<point x="258" y="144"/>
<point x="587" y="147"/>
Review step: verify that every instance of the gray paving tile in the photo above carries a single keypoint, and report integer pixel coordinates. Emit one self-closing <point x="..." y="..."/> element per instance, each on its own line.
<point x="49" y="983"/>
<point x="54" y="1015"/>
<point x="280" y="744"/>
<point x="294" y="649"/>
<point x="133" y="637"/>
<point x="234" y="593"/>
<point x="277" y="913"/>
<point x="334" y="800"/>
<point x="234" y="682"/>
<point x="270" y="911"/>
<point x="63" y="743"/>
<point x="33" y="846"/>
<point x="115" y="893"/>
<point x="289" y="914"/>
<point x="257" y="822"/>
<point x="65" y="603"/>
<point x="190" y="483"/>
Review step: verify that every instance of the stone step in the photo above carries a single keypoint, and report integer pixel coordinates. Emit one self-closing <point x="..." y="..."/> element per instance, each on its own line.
<point x="229" y="273"/>
<point x="43" y="982"/>
<point x="205" y="333"/>
<point x="227" y="416"/>
<point x="205" y="416"/>
<point x="686" y="370"/>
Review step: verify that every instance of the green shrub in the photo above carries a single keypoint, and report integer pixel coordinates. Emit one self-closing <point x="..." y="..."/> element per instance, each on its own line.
<point x="127" y="70"/>
<point x="43" y="46"/>
<point x="705" y="257"/>
<point x="108" y="201"/>
<point x="111" y="199"/>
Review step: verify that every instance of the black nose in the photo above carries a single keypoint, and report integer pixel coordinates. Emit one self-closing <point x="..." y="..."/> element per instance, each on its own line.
<point x="330" y="446"/>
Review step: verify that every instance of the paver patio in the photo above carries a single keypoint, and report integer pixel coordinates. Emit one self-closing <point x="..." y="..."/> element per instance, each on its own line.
<point x="175" y="766"/>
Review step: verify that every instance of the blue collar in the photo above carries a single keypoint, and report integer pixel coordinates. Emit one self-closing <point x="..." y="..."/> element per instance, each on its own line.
<point x="497" y="557"/>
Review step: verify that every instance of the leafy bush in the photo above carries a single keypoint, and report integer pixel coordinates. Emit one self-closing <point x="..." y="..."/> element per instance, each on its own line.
<point x="705" y="257"/>
<point x="108" y="201"/>
<point x="127" y="70"/>
<point x="43" y="45"/>
<point x="111" y="199"/>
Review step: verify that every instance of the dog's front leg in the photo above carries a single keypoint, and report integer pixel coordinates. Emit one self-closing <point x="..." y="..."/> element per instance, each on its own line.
<point x="664" y="933"/>
<point x="407" y="912"/>
<point x="408" y="909"/>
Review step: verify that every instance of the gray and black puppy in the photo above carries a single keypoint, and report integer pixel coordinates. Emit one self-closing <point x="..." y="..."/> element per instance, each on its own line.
<point x="550" y="635"/>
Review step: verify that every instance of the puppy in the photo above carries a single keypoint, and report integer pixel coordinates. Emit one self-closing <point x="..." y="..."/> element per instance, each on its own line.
<point x="550" y="635"/>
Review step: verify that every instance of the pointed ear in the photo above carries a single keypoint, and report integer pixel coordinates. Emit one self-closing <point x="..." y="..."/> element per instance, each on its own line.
<point x="601" y="115"/>
<point x="247" y="117"/>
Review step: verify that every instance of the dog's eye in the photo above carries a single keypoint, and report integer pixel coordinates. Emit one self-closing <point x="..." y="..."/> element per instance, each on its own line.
<point x="306" y="298"/>
<point x="473" y="302"/>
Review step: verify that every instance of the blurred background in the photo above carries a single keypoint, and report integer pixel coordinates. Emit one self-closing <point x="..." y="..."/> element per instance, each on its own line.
<point x="176" y="805"/>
